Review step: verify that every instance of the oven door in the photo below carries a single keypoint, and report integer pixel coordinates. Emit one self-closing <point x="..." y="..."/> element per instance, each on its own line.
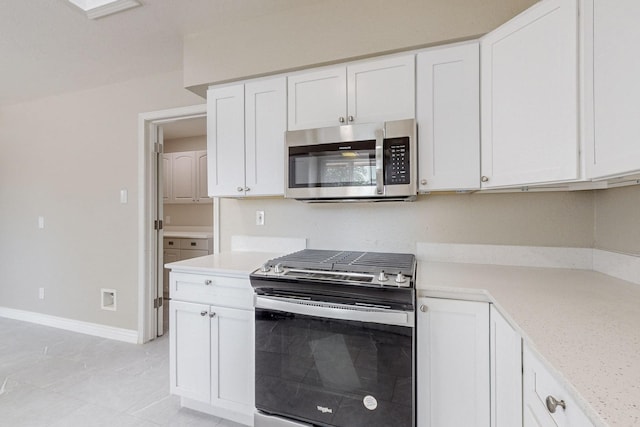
<point x="334" y="365"/>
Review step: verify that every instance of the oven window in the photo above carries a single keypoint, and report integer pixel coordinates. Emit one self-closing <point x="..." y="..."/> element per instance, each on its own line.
<point x="332" y="372"/>
<point x="333" y="165"/>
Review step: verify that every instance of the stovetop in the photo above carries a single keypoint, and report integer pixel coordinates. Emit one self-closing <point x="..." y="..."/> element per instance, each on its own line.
<point x="343" y="267"/>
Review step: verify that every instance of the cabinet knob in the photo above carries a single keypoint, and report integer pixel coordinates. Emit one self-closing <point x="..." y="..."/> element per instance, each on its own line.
<point x="351" y="118"/>
<point x="423" y="182"/>
<point x="553" y="403"/>
<point x="212" y="315"/>
<point x="203" y="313"/>
<point x="240" y="189"/>
<point x="423" y="308"/>
<point x="247" y="189"/>
<point x="341" y="119"/>
<point x="484" y="179"/>
<point x="207" y="282"/>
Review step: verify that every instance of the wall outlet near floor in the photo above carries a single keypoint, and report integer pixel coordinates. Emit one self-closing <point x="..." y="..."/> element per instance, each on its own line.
<point x="108" y="299"/>
<point x="259" y="217"/>
<point x="40" y="293"/>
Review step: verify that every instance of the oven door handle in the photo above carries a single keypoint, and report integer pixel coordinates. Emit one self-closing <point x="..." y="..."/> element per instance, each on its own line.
<point x="336" y="311"/>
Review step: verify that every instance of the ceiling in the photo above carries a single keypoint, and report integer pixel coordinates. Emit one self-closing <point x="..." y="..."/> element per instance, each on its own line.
<point x="49" y="47"/>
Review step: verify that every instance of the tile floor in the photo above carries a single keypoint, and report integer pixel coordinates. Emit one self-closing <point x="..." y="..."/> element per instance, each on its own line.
<point x="51" y="377"/>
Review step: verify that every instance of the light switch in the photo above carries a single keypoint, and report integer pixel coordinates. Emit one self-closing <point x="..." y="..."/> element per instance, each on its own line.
<point x="40" y="222"/>
<point x="124" y="196"/>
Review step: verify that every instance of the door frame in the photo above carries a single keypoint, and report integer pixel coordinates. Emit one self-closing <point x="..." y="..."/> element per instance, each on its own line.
<point x="147" y="180"/>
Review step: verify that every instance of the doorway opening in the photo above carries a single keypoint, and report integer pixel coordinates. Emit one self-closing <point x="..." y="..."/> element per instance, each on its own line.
<point x="153" y="128"/>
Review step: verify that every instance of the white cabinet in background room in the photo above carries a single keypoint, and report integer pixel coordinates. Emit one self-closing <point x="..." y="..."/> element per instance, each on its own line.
<point x="245" y="136"/>
<point x="546" y="402"/>
<point x="185" y="176"/>
<point x="612" y="109"/>
<point x="506" y="372"/>
<point x="371" y="91"/>
<point x="212" y="345"/>
<point x="452" y="363"/>
<point x="529" y="85"/>
<point x="448" y="115"/>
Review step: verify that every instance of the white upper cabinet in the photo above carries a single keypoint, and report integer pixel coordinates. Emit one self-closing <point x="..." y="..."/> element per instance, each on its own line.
<point x="612" y="109"/>
<point x="448" y="115"/>
<point x="201" y="175"/>
<point x="265" y="125"/>
<point x="245" y="138"/>
<point x="167" y="166"/>
<point x="529" y="84"/>
<point x="366" y="92"/>
<point x="185" y="175"/>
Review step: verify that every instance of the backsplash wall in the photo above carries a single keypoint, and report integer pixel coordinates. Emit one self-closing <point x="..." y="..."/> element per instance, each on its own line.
<point x="562" y="219"/>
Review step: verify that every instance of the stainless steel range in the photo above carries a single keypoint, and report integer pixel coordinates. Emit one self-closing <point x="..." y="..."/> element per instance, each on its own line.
<point x="335" y="339"/>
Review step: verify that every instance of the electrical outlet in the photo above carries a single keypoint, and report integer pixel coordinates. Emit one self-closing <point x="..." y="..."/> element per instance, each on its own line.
<point x="40" y="293"/>
<point x="124" y="196"/>
<point x="167" y="219"/>
<point x="259" y="217"/>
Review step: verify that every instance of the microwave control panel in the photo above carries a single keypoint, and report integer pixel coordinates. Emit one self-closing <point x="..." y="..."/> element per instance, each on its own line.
<point x="396" y="161"/>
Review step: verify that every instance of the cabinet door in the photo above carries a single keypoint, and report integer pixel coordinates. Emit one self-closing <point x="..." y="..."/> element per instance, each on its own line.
<point x="232" y="359"/>
<point x="202" y="193"/>
<point x="448" y="113"/>
<point x="453" y="363"/>
<point x="317" y="99"/>
<point x="506" y="373"/>
<point x="538" y="385"/>
<point x="167" y="165"/>
<point x="381" y="90"/>
<point x="529" y="84"/>
<point x="183" y="187"/>
<point x="615" y="108"/>
<point x="189" y="350"/>
<point x="225" y="141"/>
<point x="265" y="124"/>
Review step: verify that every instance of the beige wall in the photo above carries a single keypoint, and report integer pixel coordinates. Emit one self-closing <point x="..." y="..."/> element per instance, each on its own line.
<point x="66" y="158"/>
<point x="539" y="219"/>
<point x="617" y="220"/>
<point x="327" y="31"/>
<point x="192" y="143"/>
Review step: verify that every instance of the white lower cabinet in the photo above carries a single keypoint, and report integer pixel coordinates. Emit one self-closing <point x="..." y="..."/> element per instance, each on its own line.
<point x="453" y="363"/>
<point x="211" y="348"/>
<point x="546" y="401"/>
<point x="506" y="372"/>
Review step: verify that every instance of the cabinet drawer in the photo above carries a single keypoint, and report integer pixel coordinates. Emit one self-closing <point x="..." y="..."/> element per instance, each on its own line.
<point x="171" y="243"/>
<point x="189" y="253"/>
<point x="171" y="255"/>
<point x="539" y="384"/>
<point x="202" y="244"/>
<point x="207" y="289"/>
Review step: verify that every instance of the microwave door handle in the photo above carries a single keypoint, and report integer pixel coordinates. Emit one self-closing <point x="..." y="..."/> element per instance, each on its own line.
<point x="379" y="161"/>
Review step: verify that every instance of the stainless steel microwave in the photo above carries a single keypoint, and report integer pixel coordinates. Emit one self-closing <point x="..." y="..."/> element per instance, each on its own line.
<point x="362" y="162"/>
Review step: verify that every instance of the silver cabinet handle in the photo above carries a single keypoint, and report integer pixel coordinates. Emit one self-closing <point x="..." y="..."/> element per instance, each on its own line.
<point x="423" y="308"/>
<point x="351" y="118"/>
<point x="423" y="182"/>
<point x="553" y="403"/>
<point x="212" y="315"/>
<point x="207" y="282"/>
<point x="203" y="313"/>
<point x="247" y="189"/>
<point x="484" y="179"/>
<point x="341" y="119"/>
<point x="240" y="189"/>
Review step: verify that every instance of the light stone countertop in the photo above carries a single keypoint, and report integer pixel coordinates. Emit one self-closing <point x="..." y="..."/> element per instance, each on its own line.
<point x="188" y="232"/>
<point x="232" y="264"/>
<point x="585" y="325"/>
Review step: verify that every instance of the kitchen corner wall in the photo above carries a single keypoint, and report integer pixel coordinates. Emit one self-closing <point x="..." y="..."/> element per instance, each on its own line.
<point x="66" y="158"/>
<point x="562" y="219"/>
<point x="617" y="220"/>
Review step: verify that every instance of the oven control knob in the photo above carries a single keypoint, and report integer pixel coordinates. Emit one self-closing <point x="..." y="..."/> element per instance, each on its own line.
<point x="278" y="269"/>
<point x="382" y="277"/>
<point x="265" y="267"/>
<point x="400" y="278"/>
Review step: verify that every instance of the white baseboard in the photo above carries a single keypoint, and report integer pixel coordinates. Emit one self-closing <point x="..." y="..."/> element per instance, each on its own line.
<point x="95" y="329"/>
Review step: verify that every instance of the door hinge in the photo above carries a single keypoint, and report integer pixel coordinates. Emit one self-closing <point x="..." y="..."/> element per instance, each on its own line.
<point x="158" y="302"/>
<point x="158" y="148"/>
<point x="157" y="224"/>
